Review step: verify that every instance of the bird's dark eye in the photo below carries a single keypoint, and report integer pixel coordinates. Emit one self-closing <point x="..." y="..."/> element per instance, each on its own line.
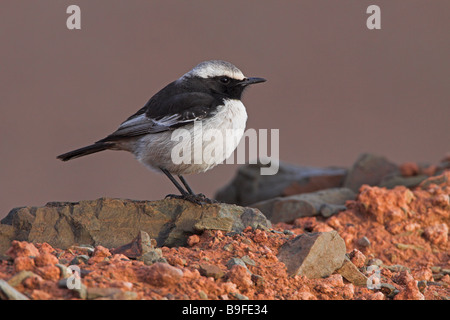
<point x="224" y="80"/>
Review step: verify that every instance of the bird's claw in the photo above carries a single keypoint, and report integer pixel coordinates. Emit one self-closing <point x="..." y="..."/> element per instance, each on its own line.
<point x="199" y="199"/>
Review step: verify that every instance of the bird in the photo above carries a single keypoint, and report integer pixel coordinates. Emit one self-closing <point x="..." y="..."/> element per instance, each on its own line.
<point x="210" y="94"/>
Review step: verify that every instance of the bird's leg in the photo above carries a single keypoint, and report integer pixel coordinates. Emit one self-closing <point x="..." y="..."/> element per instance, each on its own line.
<point x="186" y="185"/>
<point x="175" y="182"/>
<point x="185" y="195"/>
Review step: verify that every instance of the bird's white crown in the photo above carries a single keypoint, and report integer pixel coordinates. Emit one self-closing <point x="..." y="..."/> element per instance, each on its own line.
<point x="215" y="68"/>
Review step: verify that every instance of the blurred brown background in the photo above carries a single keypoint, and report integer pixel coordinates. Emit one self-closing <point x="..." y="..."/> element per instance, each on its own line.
<point x="335" y="89"/>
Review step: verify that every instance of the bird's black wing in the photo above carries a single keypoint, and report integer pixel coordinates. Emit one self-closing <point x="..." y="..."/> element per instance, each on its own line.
<point x="164" y="113"/>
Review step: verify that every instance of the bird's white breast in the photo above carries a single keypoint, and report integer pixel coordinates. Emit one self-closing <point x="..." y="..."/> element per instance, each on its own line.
<point x="229" y="123"/>
<point x="154" y="150"/>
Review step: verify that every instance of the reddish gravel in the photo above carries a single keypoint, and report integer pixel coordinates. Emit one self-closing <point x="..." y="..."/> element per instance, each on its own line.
<point x="405" y="231"/>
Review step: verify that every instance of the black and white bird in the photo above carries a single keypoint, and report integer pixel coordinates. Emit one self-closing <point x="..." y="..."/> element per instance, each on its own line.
<point x="210" y="94"/>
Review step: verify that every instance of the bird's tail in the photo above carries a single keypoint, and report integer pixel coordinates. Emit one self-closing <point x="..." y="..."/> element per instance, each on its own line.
<point x="93" y="148"/>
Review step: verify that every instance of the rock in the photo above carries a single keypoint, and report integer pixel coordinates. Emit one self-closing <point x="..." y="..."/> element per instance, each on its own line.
<point x="22" y="249"/>
<point x="150" y="257"/>
<point x="410" y="182"/>
<point x="411" y="290"/>
<point x="443" y="179"/>
<point x="357" y="258"/>
<point x="209" y="270"/>
<point x="23" y="263"/>
<point x="48" y="272"/>
<point x="369" y="169"/>
<point x="437" y="234"/>
<point x="82" y="258"/>
<point x="386" y="206"/>
<point x="114" y="222"/>
<point x="45" y="260"/>
<point x="239" y="296"/>
<point x="408" y="169"/>
<point x="363" y="242"/>
<point x="314" y="255"/>
<point x="324" y="202"/>
<point x="110" y="293"/>
<point x="19" y="277"/>
<point x="7" y="292"/>
<point x="161" y="274"/>
<point x="240" y="276"/>
<point x="137" y="247"/>
<point x="202" y="295"/>
<point x="7" y="233"/>
<point x="86" y="249"/>
<point x="193" y="240"/>
<point x="376" y="296"/>
<point x="351" y="273"/>
<point x="388" y="289"/>
<point x="248" y="261"/>
<point x="258" y="280"/>
<point x="235" y="261"/>
<point x="249" y="186"/>
<point x="100" y="254"/>
<point x="396" y="268"/>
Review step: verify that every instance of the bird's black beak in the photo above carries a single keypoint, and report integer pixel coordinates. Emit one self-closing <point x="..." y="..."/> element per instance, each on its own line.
<point x="252" y="80"/>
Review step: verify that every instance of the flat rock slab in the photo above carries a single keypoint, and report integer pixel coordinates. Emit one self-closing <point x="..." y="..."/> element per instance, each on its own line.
<point x="325" y="202"/>
<point x="351" y="273"/>
<point x="249" y="186"/>
<point x="314" y="255"/>
<point x="114" y="222"/>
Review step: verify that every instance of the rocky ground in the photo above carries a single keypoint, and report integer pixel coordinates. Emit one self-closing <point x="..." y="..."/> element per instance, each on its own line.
<point x="334" y="234"/>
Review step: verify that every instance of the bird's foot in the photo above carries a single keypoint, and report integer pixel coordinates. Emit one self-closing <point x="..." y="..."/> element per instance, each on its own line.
<point x="199" y="199"/>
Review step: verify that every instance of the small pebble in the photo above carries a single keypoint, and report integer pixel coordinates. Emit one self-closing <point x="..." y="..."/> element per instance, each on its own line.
<point x="234" y="261"/>
<point x="82" y="258"/>
<point x="422" y="285"/>
<point x="363" y="242"/>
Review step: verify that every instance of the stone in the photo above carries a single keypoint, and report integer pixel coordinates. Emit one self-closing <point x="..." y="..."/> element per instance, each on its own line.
<point x="240" y="276"/>
<point x="357" y="258"/>
<point x="363" y="242"/>
<point x="369" y="169"/>
<point x="248" y="261"/>
<point x="202" y="295"/>
<point x="235" y="261"/>
<point x="411" y="290"/>
<point x="7" y="233"/>
<point x="408" y="169"/>
<point x="287" y="209"/>
<point x="249" y="186"/>
<point x="391" y="182"/>
<point x="82" y="258"/>
<point x="48" y="272"/>
<point x="22" y="249"/>
<point x="152" y="256"/>
<point x="137" y="247"/>
<point x="314" y="255"/>
<point x="7" y="292"/>
<point x="351" y="273"/>
<point x="23" y="263"/>
<point x="95" y="293"/>
<point x="45" y="259"/>
<point x="114" y="222"/>
<point x="161" y="274"/>
<point x="209" y="270"/>
<point x="239" y="296"/>
<point x="388" y="289"/>
<point x="100" y="254"/>
<point x="437" y="234"/>
<point x="19" y="277"/>
<point x="193" y="240"/>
